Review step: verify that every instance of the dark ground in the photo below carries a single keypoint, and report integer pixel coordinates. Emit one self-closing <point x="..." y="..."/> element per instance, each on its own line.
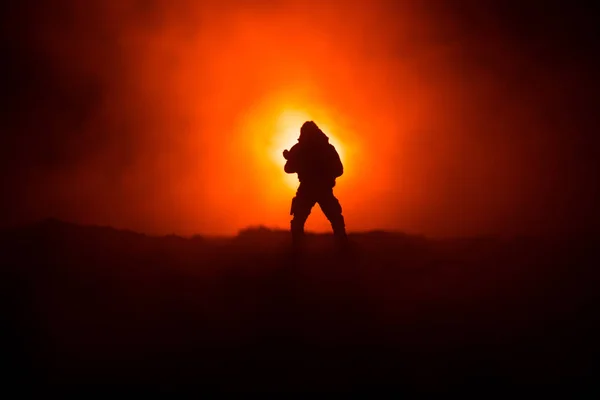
<point x="93" y="305"/>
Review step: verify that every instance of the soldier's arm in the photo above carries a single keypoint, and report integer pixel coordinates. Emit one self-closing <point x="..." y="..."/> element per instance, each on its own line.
<point x="337" y="168"/>
<point x="291" y="165"/>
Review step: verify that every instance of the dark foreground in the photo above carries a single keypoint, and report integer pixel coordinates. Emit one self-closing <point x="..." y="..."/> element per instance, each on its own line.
<point x="88" y="305"/>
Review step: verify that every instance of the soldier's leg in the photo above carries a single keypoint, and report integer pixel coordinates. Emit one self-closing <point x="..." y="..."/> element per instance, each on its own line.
<point x="301" y="208"/>
<point x="333" y="211"/>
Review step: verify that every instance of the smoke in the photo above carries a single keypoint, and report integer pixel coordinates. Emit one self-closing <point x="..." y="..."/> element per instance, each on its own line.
<point x="148" y="114"/>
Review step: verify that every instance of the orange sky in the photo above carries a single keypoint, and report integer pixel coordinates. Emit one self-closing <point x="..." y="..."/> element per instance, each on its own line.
<point x="196" y="101"/>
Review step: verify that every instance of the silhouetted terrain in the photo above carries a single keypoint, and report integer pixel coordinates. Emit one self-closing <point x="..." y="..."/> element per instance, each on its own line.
<point x="99" y="305"/>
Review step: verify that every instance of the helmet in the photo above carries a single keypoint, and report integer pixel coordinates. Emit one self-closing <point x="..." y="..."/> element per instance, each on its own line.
<point x="310" y="131"/>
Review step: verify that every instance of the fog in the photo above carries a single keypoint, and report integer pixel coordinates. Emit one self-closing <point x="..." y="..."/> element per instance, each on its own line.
<point x="166" y="116"/>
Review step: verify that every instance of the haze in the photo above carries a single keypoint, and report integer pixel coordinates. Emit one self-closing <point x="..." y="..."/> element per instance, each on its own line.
<point x="170" y="117"/>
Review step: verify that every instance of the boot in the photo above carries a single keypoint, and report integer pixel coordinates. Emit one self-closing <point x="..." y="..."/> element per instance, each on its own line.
<point x="298" y="237"/>
<point x="341" y="241"/>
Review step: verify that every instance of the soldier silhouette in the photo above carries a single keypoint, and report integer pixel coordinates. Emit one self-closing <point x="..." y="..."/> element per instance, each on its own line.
<point x="317" y="164"/>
